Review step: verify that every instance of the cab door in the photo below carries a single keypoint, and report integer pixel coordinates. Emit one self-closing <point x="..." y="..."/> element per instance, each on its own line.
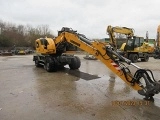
<point x="141" y="47"/>
<point x="137" y="44"/>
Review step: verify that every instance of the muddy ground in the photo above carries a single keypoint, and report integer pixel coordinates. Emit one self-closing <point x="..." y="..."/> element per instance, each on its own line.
<point x="30" y="93"/>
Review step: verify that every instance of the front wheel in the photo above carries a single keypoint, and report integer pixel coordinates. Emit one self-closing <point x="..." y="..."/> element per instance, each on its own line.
<point x="37" y="63"/>
<point x="49" y="65"/>
<point x="75" y="63"/>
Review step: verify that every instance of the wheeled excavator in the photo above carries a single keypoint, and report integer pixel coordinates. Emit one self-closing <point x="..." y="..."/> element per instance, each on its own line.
<point x="50" y="55"/>
<point x="157" y="49"/>
<point x="134" y="48"/>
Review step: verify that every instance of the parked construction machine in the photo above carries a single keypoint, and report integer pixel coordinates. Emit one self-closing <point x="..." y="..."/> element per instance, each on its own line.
<point x="157" y="49"/>
<point x="50" y="53"/>
<point x="134" y="47"/>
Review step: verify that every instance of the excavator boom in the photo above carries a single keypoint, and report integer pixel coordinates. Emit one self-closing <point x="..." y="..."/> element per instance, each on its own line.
<point x="122" y="30"/>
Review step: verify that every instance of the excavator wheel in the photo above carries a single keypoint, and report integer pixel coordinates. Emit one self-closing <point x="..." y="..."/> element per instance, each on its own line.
<point x="37" y="63"/>
<point x="61" y="67"/>
<point x="75" y="63"/>
<point x="146" y="58"/>
<point x="50" y="66"/>
<point x="133" y="57"/>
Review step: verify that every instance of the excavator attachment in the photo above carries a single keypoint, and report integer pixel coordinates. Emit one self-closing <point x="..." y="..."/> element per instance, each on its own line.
<point x="143" y="77"/>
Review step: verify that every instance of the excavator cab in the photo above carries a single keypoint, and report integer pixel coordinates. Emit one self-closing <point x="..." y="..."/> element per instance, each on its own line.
<point x="134" y="43"/>
<point x="129" y="45"/>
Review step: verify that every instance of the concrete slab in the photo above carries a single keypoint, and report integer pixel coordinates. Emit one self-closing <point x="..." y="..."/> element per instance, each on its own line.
<point x="30" y="93"/>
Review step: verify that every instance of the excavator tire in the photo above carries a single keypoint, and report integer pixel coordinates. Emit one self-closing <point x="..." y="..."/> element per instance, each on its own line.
<point x="37" y="63"/>
<point x="50" y="66"/>
<point x="133" y="57"/>
<point x="75" y="63"/>
<point x="146" y="58"/>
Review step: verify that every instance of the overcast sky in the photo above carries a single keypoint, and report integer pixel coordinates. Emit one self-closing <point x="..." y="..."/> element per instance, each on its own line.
<point x="90" y="17"/>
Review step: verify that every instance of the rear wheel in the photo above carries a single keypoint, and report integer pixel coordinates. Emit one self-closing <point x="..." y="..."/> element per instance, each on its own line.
<point x="146" y="58"/>
<point x="133" y="57"/>
<point x="75" y="63"/>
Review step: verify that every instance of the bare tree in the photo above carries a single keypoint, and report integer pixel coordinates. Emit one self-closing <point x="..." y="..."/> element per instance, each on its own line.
<point x="20" y="35"/>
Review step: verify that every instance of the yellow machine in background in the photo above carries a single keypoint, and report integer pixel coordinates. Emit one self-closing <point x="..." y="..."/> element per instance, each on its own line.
<point x="158" y="36"/>
<point x="134" y="48"/>
<point x="157" y="50"/>
<point x="50" y="53"/>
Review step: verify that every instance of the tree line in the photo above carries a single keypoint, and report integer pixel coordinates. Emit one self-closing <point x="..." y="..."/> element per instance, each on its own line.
<point x="12" y="35"/>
